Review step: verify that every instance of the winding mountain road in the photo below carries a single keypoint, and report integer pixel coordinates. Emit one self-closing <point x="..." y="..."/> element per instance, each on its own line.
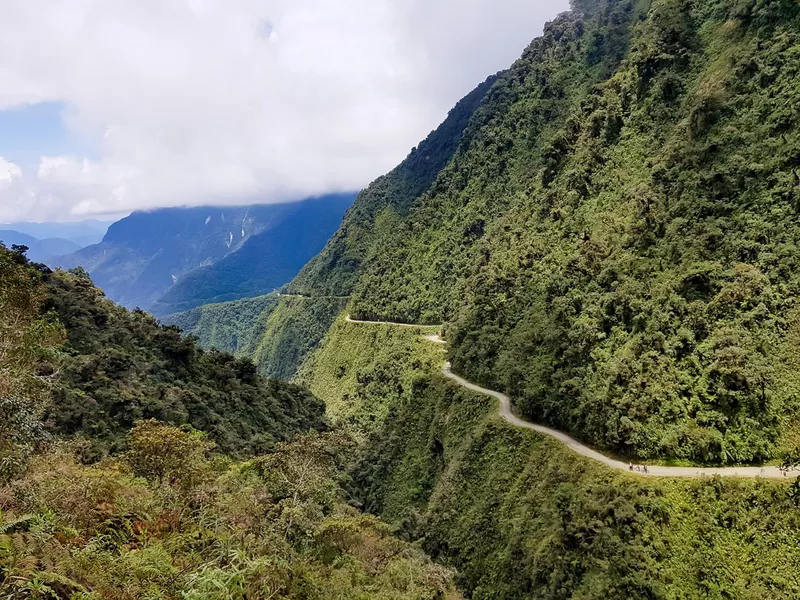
<point x="508" y="415"/>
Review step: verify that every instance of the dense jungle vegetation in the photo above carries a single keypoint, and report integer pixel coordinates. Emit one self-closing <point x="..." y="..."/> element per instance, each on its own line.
<point x="615" y="240"/>
<point x="168" y="515"/>
<point x="521" y="516"/>
<point x="276" y="332"/>
<point x="120" y="366"/>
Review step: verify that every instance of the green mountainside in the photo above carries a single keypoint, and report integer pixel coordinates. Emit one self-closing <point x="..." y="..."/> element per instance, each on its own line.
<point x="119" y="367"/>
<point x="520" y="515"/>
<point x="608" y="232"/>
<point x="614" y="242"/>
<point x="335" y="270"/>
<point x="228" y="326"/>
<point x="169" y="513"/>
<point x="610" y="238"/>
<point x="276" y="332"/>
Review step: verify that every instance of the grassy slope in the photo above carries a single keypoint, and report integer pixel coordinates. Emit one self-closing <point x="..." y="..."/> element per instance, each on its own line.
<point x="362" y="370"/>
<point x="522" y="517"/>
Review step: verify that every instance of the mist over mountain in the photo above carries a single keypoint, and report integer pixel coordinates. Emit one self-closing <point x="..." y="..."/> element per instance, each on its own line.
<point x="147" y="254"/>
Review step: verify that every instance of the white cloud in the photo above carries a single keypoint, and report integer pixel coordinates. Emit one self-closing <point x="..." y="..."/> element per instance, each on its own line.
<point x="197" y="101"/>
<point x="15" y="197"/>
<point x="8" y="173"/>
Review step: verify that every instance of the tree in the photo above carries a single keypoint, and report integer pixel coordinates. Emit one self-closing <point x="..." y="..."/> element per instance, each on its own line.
<point x="301" y="476"/>
<point x="791" y="462"/>
<point x="168" y="454"/>
<point x="27" y="342"/>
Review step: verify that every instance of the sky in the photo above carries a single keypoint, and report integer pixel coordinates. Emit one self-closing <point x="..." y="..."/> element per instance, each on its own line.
<point x="111" y="106"/>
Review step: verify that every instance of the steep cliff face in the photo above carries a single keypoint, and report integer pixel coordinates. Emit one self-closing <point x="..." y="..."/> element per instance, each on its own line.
<point x="523" y="517"/>
<point x="336" y="269"/>
<point x="614" y="240"/>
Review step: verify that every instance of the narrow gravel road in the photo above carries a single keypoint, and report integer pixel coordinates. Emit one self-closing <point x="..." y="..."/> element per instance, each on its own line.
<point x="576" y="446"/>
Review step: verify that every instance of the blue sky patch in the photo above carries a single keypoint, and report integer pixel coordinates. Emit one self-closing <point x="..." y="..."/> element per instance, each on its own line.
<point x="34" y="130"/>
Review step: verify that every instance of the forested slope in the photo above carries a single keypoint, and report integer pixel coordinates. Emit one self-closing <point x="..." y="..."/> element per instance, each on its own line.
<point x="119" y="366"/>
<point x="227" y="326"/>
<point x="615" y="240"/>
<point x="276" y="332"/>
<point x="168" y="515"/>
<point x="334" y="271"/>
<point x="520" y="515"/>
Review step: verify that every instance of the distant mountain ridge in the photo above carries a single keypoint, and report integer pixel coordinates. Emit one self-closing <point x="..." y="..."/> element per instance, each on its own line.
<point x="145" y="254"/>
<point x="265" y="262"/>
<point x="39" y="250"/>
<point x="83" y="233"/>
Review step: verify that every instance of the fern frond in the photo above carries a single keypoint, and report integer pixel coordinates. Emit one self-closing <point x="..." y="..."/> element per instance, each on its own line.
<point x="14" y="525"/>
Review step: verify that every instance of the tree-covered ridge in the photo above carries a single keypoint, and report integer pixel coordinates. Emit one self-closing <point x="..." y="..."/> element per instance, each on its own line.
<point x="616" y="244"/>
<point x="168" y="516"/>
<point x="335" y="270"/>
<point x="120" y="366"/>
